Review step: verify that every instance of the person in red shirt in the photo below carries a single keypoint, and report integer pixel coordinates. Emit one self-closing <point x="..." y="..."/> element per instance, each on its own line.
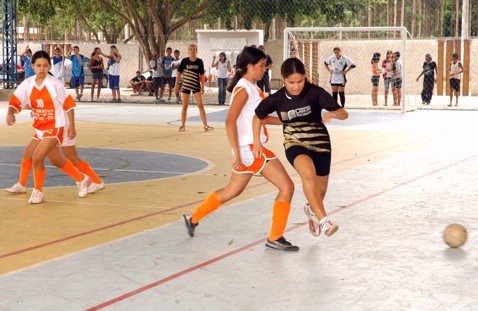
<point x="52" y="108"/>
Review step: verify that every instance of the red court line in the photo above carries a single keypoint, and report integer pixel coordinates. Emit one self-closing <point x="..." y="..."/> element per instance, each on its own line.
<point x="229" y="254"/>
<point x="77" y="235"/>
<point x="80" y="234"/>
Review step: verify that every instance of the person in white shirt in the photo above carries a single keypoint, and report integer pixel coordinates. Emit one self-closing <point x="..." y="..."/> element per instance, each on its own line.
<point x="176" y="63"/>
<point x="338" y="65"/>
<point x="58" y="65"/>
<point x="456" y="69"/>
<point x="223" y="66"/>
<point x="397" y="80"/>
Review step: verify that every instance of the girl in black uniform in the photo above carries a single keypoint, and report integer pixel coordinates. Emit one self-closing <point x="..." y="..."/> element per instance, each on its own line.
<point x="307" y="145"/>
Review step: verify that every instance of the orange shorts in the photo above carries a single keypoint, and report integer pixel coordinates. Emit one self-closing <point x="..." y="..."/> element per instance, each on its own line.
<point x="252" y="165"/>
<point x="56" y="133"/>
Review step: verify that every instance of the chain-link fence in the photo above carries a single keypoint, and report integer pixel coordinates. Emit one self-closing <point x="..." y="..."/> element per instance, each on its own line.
<point x="433" y="27"/>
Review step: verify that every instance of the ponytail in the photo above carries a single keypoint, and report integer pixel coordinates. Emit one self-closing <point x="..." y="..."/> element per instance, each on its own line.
<point x="248" y="56"/>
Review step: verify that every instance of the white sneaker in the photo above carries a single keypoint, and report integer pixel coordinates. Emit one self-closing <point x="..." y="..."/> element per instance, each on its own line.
<point x="37" y="197"/>
<point x="314" y="226"/>
<point x="83" y="186"/>
<point x="94" y="187"/>
<point x="327" y="227"/>
<point x="17" y="189"/>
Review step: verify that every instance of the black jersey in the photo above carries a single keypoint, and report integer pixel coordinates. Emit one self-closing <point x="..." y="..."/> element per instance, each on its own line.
<point x="191" y="70"/>
<point x="302" y="116"/>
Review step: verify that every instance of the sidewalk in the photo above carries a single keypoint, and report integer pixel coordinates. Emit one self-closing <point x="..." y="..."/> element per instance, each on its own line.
<point x="209" y="96"/>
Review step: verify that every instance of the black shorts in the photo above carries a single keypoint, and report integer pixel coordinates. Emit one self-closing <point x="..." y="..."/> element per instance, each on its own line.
<point x="156" y="82"/>
<point x="375" y="80"/>
<point x="396" y="83"/>
<point x="321" y="160"/>
<point x="455" y="84"/>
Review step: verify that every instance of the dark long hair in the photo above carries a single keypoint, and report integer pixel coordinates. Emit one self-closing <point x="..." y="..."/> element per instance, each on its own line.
<point x="290" y="66"/>
<point x="375" y="57"/>
<point x="40" y="54"/>
<point x="248" y="56"/>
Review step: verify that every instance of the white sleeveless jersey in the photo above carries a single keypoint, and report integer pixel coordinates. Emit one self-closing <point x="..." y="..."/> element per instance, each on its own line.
<point x="454" y="69"/>
<point x="244" y="121"/>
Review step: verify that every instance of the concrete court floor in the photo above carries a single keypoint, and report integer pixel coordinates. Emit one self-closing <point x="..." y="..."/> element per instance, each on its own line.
<point x="397" y="181"/>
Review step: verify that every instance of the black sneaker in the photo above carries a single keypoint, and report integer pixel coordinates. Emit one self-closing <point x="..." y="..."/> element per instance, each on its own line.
<point x="189" y="224"/>
<point x="282" y="245"/>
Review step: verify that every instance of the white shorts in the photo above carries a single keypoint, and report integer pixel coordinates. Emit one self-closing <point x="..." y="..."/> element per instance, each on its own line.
<point x="66" y="141"/>
<point x="252" y="165"/>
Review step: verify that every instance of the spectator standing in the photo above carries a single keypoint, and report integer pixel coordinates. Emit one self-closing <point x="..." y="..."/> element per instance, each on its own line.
<point x="223" y="66"/>
<point x="138" y="83"/>
<point x="114" y="59"/>
<point x="191" y="72"/>
<point x="26" y="58"/>
<point x="376" y="71"/>
<point x="77" y="81"/>
<point x="265" y="83"/>
<point x="58" y="65"/>
<point x="397" y="80"/>
<point x="167" y="65"/>
<point x="96" y="67"/>
<point x="338" y="65"/>
<point x="174" y="73"/>
<point x="456" y="68"/>
<point x="429" y="74"/>
<point x="388" y="66"/>
<point x="155" y="64"/>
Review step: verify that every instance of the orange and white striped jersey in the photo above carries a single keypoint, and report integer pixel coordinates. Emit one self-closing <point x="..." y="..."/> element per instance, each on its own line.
<point x="244" y="120"/>
<point x="49" y="102"/>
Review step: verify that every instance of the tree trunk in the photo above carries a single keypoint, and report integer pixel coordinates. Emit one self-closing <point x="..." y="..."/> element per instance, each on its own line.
<point x="457" y="18"/>
<point x="413" y="17"/>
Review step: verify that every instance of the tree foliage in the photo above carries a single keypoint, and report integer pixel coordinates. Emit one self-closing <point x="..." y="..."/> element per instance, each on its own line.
<point x="152" y="22"/>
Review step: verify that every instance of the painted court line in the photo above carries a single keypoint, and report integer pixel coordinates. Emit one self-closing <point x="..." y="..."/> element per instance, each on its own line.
<point x="248" y="246"/>
<point x="81" y="234"/>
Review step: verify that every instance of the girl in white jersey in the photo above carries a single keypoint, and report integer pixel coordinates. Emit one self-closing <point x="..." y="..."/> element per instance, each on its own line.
<point x="338" y="66"/>
<point x="51" y="109"/>
<point x="245" y="97"/>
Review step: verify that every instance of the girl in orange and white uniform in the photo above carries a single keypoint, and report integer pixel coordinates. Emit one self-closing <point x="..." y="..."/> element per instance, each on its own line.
<point x="68" y="147"/>
<point x="51" y="106"/>
<point x="246" y="96"/>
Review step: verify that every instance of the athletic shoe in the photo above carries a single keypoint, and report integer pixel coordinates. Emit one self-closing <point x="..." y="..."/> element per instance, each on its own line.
<point x="94" y="187"/>
<point x="188" y="220"/>
<point x="327" y="227"/>
<point x="17" y="189"/>
<point x="314" y="226"/>
<point x="83" y="186"/>
<point x="282" y="245"/>
<point x="37" y="197"/>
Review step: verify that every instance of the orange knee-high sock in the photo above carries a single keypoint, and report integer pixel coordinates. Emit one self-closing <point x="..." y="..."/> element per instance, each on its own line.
<point x="280" y="214"/>
<point x="207" y="207"/>
<point x="39" y="179"/>
<point x="25" y="169"/>
<point x="86" y="168"/>
<point x="71" y="171"/>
